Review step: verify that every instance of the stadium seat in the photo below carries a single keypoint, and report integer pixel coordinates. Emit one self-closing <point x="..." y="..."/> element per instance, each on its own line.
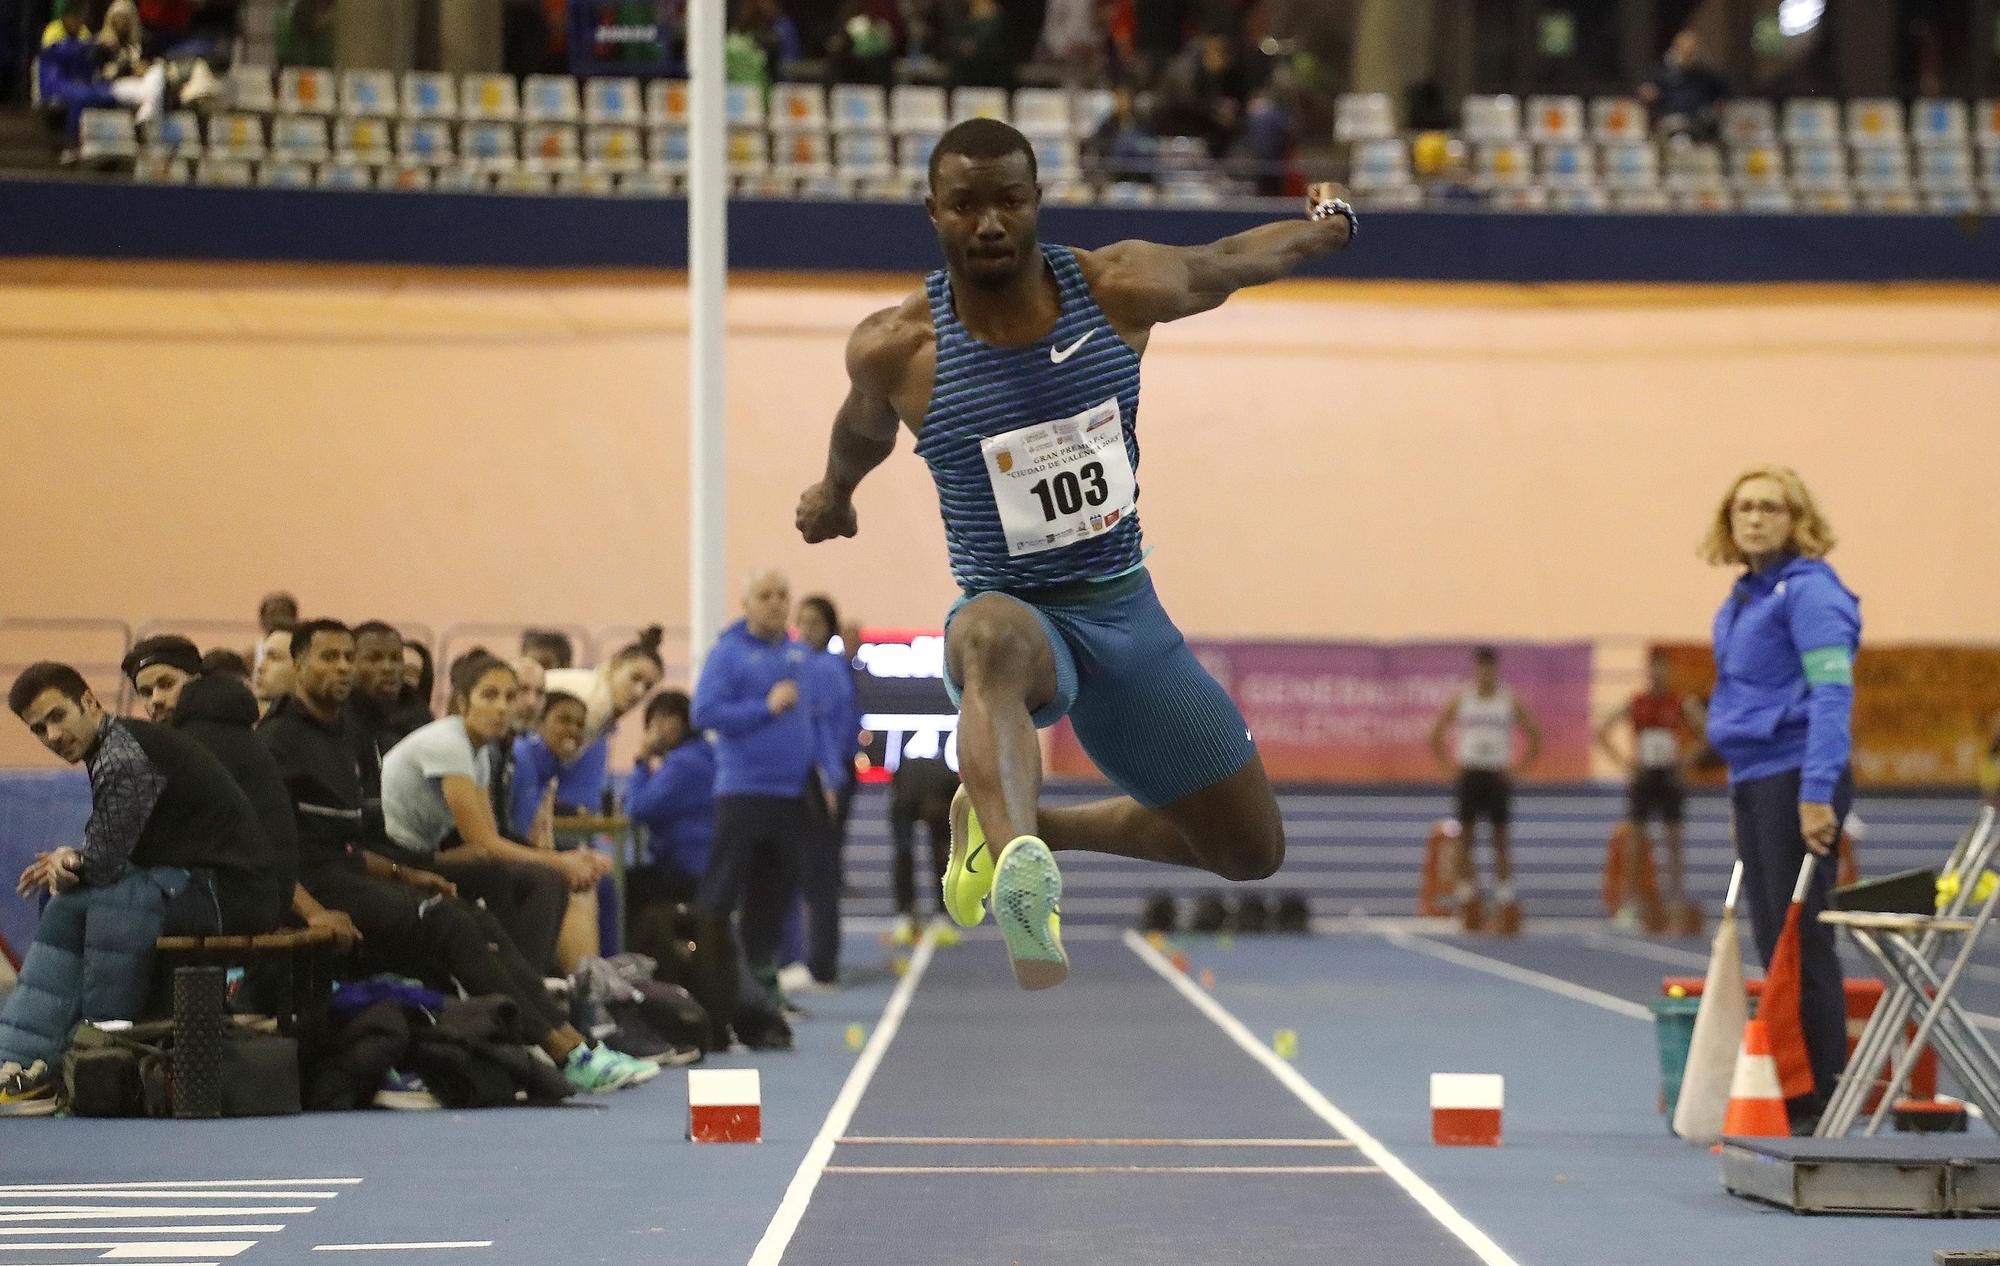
<point x="1881" y="169"/>
<point x="863" y="155"/>
<point x="615" y="150"/>
<point x="488" y="147"/>
<point x="1986" y="123"/>
<point x="586" y="183"/>
<point x="1390" y="198"/>
<point x="305" y="90"/>
<point x="1944" y="168"/>
<point x="667" y="103"/>
<point x="1503" y="165"/>
<point x="1952" y="202"/>
<point x="348" y="176"/>
<point x="551" y="148"/>
<point x="1555" y="120"/>
<point x="743" y="105"/>
<point x="1989" y="168"/>
<point x="1819" y="167"/>
<point x="368" y="92"/>
<point x="749" y="152"/>
<point x="1647" y="201"/>
<point x="299" y="138"/>
<point x="1519" y="198"/>
<point x="1191" y="193"/>
<point x="1615" y="120"/>
<point x="886" y="189"/>
<point x="1811" y="121"/>
<point x="1056" y="158"/>
<point x="913" y="155"/>
<point x="798" y="108"/>
<point x="859" y="108"/>
<point x="404" y="178"/>
<point x="1363" y="116"/>
<point x="426" y="142"/>
<point x="460" y="179"/>
<point x="1491" y="120"/>
<point x="917" y="109"/>
<point x="1089" y="108"/>
<point x="1379" y="164"/>
<point x="285" y="175"/>
<point x="1689" y="163"/>
<point x="649" y="184"/>
<point x="550" y="99"/>
<point x="175" y="134"/>
<point x="799" y="154"/>
<point x="1892" y="202"/>
<point x="979" y="103"/>
<point x="1043" y="114"/>
<point x="1766" y="200"/>
<point x="1631" y="165"/>
<point x="519" y="181"/>
<point x="827" y="186"/>
<point x="611" y="102"/>
<point x="1711" y="200"/>
<point x="250" y="89"/>
<point x="236" y="136"/>
<point x="1757" y="167"/>
<point x="1824" y="201"/>
<point x="158" y="169"/>
<point x="1938" y="121"/>
<point x="1068" y="193"/>
<point x="1579" y="198"/>
<point x="107" y="133"/>
<point x="232" y="172"/>
<point x="765" y="184"/>
<point x="1748" y="121"/>
<point x="667" y="151"/>
<point x="429" y="95"/>
<point x="1569" y="165"/>
<point x="1127" y="193"/>
<point x="1874" y="121"/>
<point x="488" y="99"/>
<point x="367" y="140"/>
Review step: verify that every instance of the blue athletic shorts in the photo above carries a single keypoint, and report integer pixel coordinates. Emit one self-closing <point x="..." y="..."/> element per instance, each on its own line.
<point x="1144" y="708"/>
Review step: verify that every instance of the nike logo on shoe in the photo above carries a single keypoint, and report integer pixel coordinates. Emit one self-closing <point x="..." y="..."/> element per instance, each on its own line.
<point x="970" y="869"/>
<point x="1059" y="355"/>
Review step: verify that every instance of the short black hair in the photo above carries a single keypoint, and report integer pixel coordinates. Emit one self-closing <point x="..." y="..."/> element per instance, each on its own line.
<point x="468" y="668"/>
<point x="224" y="660"/>
<point x="43" y="676"/>
<point x="555" y="641"/>
<point x="981" y="139"/>
<point x="376" y="628"/>
<point x="671" y="703"/>
<point x="824" y="605"/>
<point x="554" y="697"/>
<point x="1485" y="655"/>
<point x="304" y="633"/>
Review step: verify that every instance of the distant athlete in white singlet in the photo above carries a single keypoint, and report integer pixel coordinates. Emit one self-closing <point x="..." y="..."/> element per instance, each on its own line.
<point x="1486" y="716"/>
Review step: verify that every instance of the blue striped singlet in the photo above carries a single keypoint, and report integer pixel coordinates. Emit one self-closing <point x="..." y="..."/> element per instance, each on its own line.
<point x="982" y="393"/>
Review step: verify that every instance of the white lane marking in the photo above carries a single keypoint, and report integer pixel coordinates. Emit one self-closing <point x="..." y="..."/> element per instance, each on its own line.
<point x="785" y="1222"/>
<point x="1422" y="1192"/>
<point x="1519" y="975"/>
<point x="47" y="1213"/>
<point x="182" y="1262"/>
<point x="143" y="1186"/>
<point x="270" y="1229"/>
<point x="969" y="1142"/>
<point x="397" y="1248"/>
<point x="1102" y="1169"/>
<point x="182" y="1248"/>
<point x="100" y="1193"/>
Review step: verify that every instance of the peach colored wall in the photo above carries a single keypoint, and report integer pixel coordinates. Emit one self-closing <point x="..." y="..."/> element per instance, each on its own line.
<point x="1321" y="460"/>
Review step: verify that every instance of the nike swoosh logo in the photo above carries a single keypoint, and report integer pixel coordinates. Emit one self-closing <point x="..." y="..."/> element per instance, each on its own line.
<point x="1059" y="355"/>
<point x="970" y="869"/>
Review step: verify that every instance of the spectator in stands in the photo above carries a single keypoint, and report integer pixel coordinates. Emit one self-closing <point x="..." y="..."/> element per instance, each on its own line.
<point x="862" y="48"/>
<point x="374" y="723"/>
<point x="305" y="33"/>
<point x="920" y="791"/>
<point x="435" y="808"/>
<point x="1076" y="36"/>
<point x="419" y="685"/>
<point x="1159" y="33"/>
<point x="136" y="79"/>
<point x="763" y="37"/>
<point x="272" y="679"/>
<point x="401" y="919"/>
<point x="532" y="680"/>
<point x="277" y="610"/>
<point x="827" y="688"/>
<point x="1685" y="93"/>
<point x="767" y="751"/>
<point x="923" y="27"/>
<point x="223" y="660"/>
<point x="548" y="647"/>
<point x="68" y="78"/>
<point x="608" y="692"/>
<point x="1125" y="148"/>
<point x="539" y="758"/>
<point x="1261" y="152"/>
<point x="71" y="24"/>
<point x="982" y="53"/>
<point x="158" y="667"/>
<point x="171" y="846"/>
<point x="673" y="793"/>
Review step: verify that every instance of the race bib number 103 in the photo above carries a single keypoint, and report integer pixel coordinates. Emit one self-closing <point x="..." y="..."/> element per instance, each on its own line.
<point x="1057" y="483"/>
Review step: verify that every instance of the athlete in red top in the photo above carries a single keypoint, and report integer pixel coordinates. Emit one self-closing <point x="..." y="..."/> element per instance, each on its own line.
<point x="1662" y="722"/>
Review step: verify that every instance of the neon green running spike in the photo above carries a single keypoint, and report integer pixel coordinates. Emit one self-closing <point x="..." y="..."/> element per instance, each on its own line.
<point x="1027" y="904"/>
<point x="968" y="875"/>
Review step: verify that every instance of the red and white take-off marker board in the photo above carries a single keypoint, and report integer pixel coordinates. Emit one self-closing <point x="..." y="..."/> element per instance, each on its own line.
<point x="724" y="1105"/>
<point x="1465" y="1109"/>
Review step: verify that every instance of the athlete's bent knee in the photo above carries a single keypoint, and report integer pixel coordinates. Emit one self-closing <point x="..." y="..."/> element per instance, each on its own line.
<point x="988" y="648"/>
<point x="1252" y="860"/>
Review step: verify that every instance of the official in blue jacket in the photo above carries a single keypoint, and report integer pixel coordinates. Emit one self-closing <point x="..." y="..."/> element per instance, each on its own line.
<point x="829" y="699"/>
<point x="767" y="757"/>
<point x="1785" y="641"/>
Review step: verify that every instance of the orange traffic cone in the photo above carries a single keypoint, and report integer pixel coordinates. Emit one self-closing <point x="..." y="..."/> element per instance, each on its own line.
<point x="1435" y="892"/>
<point x="1756" y="1105"/>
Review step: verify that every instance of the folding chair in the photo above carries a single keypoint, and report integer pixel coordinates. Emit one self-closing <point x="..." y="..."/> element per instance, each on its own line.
<point x="1910" y="948"/>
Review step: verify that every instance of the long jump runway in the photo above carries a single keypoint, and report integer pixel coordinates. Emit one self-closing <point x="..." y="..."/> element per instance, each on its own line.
<point x="1110" y="1120"/>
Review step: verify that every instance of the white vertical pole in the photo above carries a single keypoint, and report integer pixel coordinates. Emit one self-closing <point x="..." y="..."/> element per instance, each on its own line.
<point x="708" y="264"/>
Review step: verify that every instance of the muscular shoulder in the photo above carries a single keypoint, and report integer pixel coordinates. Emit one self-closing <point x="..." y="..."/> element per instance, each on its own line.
<point x="886" y="343"/>
<point x="1135" y="281"/>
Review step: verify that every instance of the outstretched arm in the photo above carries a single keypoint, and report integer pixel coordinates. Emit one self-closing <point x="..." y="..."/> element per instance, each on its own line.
<point x="1146" y="283"/>
<point x="864" y="429"/>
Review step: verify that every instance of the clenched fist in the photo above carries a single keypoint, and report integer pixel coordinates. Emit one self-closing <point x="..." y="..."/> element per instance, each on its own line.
<point x="824" y="513"/>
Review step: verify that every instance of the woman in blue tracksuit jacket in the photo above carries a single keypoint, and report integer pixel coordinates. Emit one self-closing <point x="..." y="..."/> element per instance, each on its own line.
<point x="1785" y="641"/>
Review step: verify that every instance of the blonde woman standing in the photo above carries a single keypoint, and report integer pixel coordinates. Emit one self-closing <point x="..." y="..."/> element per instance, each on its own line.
<point x="1781" y="716"/>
